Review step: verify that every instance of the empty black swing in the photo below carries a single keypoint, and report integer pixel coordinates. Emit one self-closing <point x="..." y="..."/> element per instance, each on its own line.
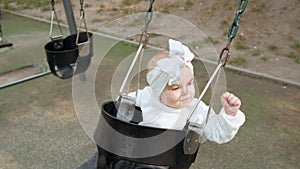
<point x="71" y="55"/>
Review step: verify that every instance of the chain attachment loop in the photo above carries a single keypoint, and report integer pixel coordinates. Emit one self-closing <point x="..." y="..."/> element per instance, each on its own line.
<point x="225" y="52"/>
<point x="232" y="32"/>
<point x="144" y="37"/>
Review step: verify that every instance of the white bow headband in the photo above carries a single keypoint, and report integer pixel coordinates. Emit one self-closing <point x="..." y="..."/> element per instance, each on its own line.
<point x="168" y="69"/>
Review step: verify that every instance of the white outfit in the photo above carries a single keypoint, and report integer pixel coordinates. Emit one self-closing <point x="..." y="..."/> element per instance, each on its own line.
<point x="220" y="128"/>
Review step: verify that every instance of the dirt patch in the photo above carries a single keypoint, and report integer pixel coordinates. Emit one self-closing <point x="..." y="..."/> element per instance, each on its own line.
<point x="18" y="74"/>
<point x="267" y="40"/>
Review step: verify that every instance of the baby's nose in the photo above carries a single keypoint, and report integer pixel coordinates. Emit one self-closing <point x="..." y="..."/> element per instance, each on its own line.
<point x="184" y="90"/>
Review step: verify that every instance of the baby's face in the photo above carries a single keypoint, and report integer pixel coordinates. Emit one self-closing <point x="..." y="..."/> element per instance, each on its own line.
<point x="181" y="94"/>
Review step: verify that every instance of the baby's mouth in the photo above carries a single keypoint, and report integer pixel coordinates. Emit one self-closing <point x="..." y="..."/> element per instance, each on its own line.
<point x="185" y="99"/>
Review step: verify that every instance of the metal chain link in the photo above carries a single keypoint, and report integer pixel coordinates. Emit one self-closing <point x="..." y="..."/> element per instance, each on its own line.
<point x="232" y="32"/>
<point x="149" y="15"/>
<point x="235" y="24"/>
<point x="53" y="4"/>
<point x="81" y="9"/>
<point x="54" y="15"/>
<point x="144" y="37"/>
<point x="222" y="60"/>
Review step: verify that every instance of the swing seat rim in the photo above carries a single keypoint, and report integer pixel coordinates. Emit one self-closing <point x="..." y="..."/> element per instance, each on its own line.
<point x="174" y="156"/>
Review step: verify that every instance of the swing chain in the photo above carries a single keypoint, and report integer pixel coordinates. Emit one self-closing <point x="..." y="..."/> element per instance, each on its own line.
<point x="149" y="15"/>
<point x="58" y="38"/>
<point x="235" y="24"/>
<point x="82" y="20"/>
<point x="81" y="9"/>
<point x="53" y="4"/>
<point x="232" y="32"/>
<point x="144" y="37"/>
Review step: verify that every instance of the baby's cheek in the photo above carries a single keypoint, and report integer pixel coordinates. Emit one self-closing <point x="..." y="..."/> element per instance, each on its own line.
<point x="175" y="96"/>
<point x="192" y="90"/>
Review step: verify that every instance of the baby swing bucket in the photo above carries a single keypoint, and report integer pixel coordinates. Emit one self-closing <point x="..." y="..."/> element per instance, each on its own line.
<point x="108" y="124"/>
<point x="62" y="55"/>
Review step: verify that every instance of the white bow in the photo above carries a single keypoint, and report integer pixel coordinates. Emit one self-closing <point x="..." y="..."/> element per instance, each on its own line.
<point x="168" y="70"/>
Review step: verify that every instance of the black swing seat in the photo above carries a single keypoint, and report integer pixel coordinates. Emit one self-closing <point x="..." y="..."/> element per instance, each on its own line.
<point x="171" y="140"/>
<point x="62" y="59"/>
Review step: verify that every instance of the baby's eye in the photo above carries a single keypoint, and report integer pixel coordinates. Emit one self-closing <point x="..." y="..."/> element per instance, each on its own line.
<point x="175" y="88"/>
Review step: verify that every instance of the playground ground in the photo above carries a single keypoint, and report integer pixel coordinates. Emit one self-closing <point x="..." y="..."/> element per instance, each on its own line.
<point x="39" y="127"/>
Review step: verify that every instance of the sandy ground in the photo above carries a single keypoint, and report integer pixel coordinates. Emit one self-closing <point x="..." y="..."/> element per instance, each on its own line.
<point x="272" y="30"/>
<point x="268" y="38"/>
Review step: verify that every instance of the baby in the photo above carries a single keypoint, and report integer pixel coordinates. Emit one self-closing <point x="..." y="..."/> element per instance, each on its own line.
<point x="170" y="99"/>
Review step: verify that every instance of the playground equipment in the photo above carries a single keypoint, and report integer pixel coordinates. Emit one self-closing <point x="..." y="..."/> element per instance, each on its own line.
<point x="184" y="144"/>
<point x="71" y="55"/>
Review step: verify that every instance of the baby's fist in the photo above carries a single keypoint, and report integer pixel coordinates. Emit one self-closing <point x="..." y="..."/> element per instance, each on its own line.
<point x="231" y="103"/>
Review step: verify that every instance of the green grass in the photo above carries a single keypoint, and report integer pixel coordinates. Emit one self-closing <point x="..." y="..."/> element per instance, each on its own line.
<point x="39" y="127"/>
<point x="28" y="4"/>
<point x="296" y="45"/>
<point x="130" y="2"/>
<point x="255" y="52"/>
<point x="264" y="58"/>
<point x="258" y="8"/>
<point x="272" y="47"/>
<point x="188" y="4"/>
<point x="294" y="56"/>
<point x="212" y="40"/>
<point x="240" y="45"/>
<point x="237" y="61"/>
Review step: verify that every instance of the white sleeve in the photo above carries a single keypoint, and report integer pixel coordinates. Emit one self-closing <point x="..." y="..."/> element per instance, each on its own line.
<point x="222" y="128"/>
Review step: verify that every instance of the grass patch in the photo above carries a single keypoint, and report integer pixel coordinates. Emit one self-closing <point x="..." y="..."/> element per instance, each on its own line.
<point x="256" y="52"/>
<point x="152" y="35"/>
<point x="294" y="56"/>
<point x="212" y="40"/>
<point x="130" y="2"/>
<point x="264" y="58"/>
<point x="95" y="20"/>
<point x="258" y="8"/>
<point x="21" y="4"/>
<point x="228" y="6"/>
<point x="237" y="61"/>
<point x="240" y="46"/>
<point x="188" y="4"/>
<point x="272" y="47"/>
<point x="296" y="45"/>
<point x="165" y="10"/>
<point x="224" y="22"/>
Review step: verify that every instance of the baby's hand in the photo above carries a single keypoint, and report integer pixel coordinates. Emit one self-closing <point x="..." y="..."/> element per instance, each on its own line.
<point x="231" y="103"/>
